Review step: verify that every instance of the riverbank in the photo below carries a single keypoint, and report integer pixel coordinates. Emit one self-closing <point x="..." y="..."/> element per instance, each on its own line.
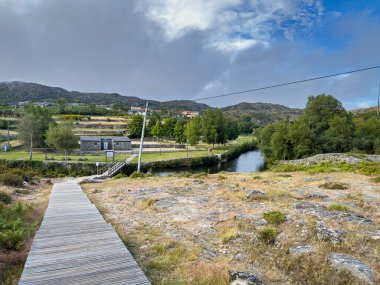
<point x="280" y="228"/>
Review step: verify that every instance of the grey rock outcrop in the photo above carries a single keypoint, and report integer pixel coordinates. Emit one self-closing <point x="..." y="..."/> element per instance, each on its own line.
<point x="244" y="278"/>
<point x="301" y="249"/>
<point x="327" y="234"/>
<point x="358" y="268"/>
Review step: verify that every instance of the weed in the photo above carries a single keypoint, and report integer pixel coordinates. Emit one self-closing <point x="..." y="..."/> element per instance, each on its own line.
<point x="22" y="191"/>
<point x="275" y="217"/>
<point x="339" y="207"/>
<point x="11" y="179"/>
<point x="200" y="175"/>
<point x="230" y="234"/>
<point x="268" y="235"/>
<point x="376" y="179"/>
<point x="222" y="177"/>
<point x="119" y="176"/>
<point x="5" y="198"/>
<point x="334" y="186"/>
<point x="147" y="203"/>
<point x="136" y="174"/>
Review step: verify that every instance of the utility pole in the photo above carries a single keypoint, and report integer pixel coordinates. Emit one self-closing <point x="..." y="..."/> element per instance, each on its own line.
<point x="9" y="146"/>
<point x="142" y="139"/>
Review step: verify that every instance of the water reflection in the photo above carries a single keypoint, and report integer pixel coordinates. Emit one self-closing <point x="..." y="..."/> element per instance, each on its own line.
<point x="247" y="162"/>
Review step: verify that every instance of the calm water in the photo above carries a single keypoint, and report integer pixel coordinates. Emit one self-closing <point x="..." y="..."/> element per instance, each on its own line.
<point x="247" y="162"/>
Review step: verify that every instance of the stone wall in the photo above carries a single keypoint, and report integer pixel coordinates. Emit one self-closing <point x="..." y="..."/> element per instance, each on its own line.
<point x="334" y="158"/>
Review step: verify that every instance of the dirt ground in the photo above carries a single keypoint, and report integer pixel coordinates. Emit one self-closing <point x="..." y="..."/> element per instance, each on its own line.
<point x="198" y="229"/>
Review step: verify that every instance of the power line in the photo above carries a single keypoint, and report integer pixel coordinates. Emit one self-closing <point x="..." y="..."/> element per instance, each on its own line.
<point x="287" y="83"/>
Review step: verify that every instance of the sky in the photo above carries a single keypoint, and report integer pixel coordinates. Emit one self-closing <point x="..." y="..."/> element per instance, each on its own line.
<point x="180" y="49"/>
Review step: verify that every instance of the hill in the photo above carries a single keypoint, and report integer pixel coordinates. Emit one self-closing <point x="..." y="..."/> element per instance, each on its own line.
<point x="262" y="112"/>
<point x="358" y="112"/>
<point x="15" y="92"/>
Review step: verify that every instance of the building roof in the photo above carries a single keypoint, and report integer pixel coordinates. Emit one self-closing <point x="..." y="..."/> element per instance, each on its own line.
<point x="99" y="138"/>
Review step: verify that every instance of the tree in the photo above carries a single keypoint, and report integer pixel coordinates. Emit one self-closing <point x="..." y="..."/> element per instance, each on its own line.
<point x="157" y="130"/>
<point x="135" y="127"/>
<point x="209" y="131"/>
<point x="152" y="121"/>
<point x="179" y="132"/>
<point x="62" y="138"/>
<point x="62" y="105"/>
<point x="32" y="127"/>
<point x="193" y="131"/>
<point x="168" y="127"/>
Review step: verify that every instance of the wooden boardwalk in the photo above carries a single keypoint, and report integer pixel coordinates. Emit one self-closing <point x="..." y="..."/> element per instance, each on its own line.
<point x="74" y="245"/>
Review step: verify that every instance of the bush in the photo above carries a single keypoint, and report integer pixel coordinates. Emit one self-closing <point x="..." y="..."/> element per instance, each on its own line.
<point x="5" y="198"/>
<point x="268" y="235"/>
<point x="136" y="174"/>
<point x="11" y="179"/>
<point x="275" y="217"/>
<point x="339" y="208"/>
<point x="118" y="176"/>
<point x="334" y="186"/>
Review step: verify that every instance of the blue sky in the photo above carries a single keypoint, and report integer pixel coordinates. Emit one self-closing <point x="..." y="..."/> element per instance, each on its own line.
<point x="178" y="49"/>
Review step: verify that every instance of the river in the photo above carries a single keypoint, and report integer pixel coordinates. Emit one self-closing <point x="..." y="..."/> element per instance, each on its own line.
<point x="250" y="161"/>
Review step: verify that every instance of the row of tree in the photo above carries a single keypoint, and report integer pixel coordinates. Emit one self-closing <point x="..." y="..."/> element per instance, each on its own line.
<point x="212" y="127"/>
<point x="324" y="127"/>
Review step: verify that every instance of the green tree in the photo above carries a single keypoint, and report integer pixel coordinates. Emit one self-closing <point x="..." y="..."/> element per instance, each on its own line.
<point x="179" y="132"/>
<point x="135" y="126"/>
<point x="62" y="105"/>
<point x="62" y="138"/>
<point x="32" y="127"/>
<point x="157" y="130"/>
<point x="152" y="121"/>
<point x="168" y="127"/>
<point x="209" y="131"/>
<point x="193" y="131"/>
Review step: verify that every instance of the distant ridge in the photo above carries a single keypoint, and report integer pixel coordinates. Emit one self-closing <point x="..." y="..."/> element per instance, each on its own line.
<point x="17" y="91"/>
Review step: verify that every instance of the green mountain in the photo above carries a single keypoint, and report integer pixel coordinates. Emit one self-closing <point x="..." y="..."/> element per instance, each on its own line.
<point x="15" y="92"/>
<point x="262" y="113"/>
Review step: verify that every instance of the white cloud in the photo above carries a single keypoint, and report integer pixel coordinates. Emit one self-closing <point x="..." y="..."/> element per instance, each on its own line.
<point x="233" y="25"/>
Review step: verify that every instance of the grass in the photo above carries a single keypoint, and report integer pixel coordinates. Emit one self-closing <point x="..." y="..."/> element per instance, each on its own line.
<point x="376" y="179"/>
<point x="268" y="235"/>
<point x="275" y="217"/>
<point x="230" y="234"/>
<point x="40" y="156"/>
<point x="150" y="157"/>
<point x="334" y="186"/>
<point x="338" y="208"/>
<point x="366" y="168"/>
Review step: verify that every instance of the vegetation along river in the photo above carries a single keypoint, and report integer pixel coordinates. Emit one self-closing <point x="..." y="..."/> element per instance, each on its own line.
<point x="250" y="161"/>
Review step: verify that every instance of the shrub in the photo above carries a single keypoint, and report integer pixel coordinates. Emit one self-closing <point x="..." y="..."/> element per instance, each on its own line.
<point x="230" y="234"/>
<point x="118" y="176"/>
<point x="275" y="217"/>
<point x="376" y="179"/>
<point x="136" y="174"/>
<point x="11" y="179"/>
<point x="268" y="235"/>
<point x="5" y="198"/>
<point x="339" y="208"/>
<point x="334" y="186"/>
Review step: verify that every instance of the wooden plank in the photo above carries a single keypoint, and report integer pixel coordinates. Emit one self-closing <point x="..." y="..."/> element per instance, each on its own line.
<point x="74" y="245"/>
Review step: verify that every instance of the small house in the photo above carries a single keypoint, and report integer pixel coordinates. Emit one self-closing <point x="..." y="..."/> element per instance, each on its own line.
<point x="98" y="143"/>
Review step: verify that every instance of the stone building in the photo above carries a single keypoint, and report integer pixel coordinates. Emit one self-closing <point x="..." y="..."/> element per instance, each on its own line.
<point x="98" y="143"/>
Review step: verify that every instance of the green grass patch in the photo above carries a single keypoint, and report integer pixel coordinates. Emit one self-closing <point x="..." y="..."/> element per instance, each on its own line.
<point x="338" y="208"/>
<point x="5" y="198"/>
<point x="376" y="179"/>
<point x="334" y="186"/>
<point x="230" y="234"/>
<point x="366" y="168"/>
<point x="275" y="217"/>
<point x="11" y="179"/>
<point x="268" y="235"/>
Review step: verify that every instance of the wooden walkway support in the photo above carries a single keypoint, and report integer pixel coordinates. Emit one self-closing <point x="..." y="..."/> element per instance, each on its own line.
<point x="74" y="245"/>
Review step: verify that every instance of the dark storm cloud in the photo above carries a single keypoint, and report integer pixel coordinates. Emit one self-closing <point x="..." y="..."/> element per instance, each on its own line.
<point x="110" y="46"/>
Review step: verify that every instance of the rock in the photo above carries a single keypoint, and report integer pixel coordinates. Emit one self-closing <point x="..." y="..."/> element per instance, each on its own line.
<point x="261" y="222"/>
<point x="308" y="163"/>
<point x="375" y="235"/>
<point x="307" y="205"/>
<point x="244" y="278"/>
<point x="301" y="249"/>
<point x="327" y="234"/>
<point x="347" y="262"/>
<point x="254" y="193"/>
<point x="316" y="195"/>
<point x="198" y="182"/>
<point x="240" y="257"/>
